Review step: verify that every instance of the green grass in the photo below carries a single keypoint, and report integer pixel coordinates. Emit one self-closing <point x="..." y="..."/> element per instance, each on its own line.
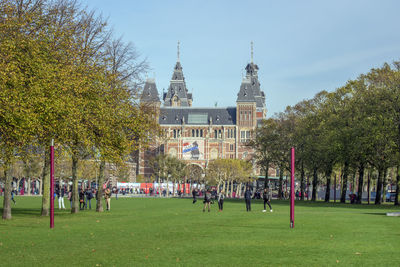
<point x="174" y="232"/>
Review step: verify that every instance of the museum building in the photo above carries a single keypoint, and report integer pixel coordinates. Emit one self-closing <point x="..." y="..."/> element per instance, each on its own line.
<point x="196" y="134"/>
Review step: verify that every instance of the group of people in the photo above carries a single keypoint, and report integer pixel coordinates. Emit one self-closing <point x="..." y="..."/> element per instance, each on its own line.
<point x="85" y="197"/>
<point x="248" y="195"/>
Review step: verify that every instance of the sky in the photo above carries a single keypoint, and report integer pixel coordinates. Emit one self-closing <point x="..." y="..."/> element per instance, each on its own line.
<point x="301" y="47"/>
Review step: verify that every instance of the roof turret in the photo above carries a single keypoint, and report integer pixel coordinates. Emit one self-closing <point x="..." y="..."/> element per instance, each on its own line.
<point x="150" y="93"/>
<point x="177" y="94"/>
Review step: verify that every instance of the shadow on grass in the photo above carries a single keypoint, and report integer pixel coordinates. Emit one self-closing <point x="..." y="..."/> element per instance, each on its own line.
<point x="24" y="212"/>
<point x="378" y="213"/>
<point x="320" y="204"/>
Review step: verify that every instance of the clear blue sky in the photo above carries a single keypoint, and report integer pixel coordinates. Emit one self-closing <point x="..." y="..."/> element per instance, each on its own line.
<point x="301" y="47"/>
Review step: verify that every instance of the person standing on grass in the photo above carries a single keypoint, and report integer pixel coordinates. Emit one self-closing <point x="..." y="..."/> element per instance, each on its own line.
<point x="107" y="197"/>
<point x="207" y="201"/>
<point x="70" y="197"/>
<point x="81" y="199"/>
<point x="194" y="194"/>
<point x="266" y="200"/>
<point x="247" y="198"/>
<point x="89" y="196"/>
<point x="60" y="195"/>
<point x="221" y="197"/>
<point x="12" y="197"/>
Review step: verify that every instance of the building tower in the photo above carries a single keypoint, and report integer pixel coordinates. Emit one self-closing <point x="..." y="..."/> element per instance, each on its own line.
<point x="250" y="103"/>
<point x="150" y="102"/>
<point x="177" y="95"/>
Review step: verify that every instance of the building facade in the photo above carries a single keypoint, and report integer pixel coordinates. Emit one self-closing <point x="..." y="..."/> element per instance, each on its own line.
<point x="198" y="135"/>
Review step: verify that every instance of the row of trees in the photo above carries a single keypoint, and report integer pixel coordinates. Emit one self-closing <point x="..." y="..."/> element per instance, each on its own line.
<point x="64" y="76"/>
<point x="349" y="131"/>
<point x="222" y="173"/>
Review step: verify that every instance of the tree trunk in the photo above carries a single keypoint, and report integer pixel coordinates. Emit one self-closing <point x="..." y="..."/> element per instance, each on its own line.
<point x="378" y="196"/>
<point x="224" y="187"/>
<point x="360" y="183"/>
<point x="240" y="190"/>
<point x="18" y="183"/>
<point x="237" y="190"/>
<point x="231" y="189"/>
<point x="314" y="183"/>
<point x="396" y="198"/>
<point x="266" y="177"/>
<point x="173" y="188"/>
<point x="168" y="186"/>
<point x="75" y="189"/>
<point x="328" y="174"/>
<point x="100" y="191"/>
<point x="280" y="182"/>
<point x="384" y="183"/>
<point x="46" y="184"/>
<point x="344" y="182"/>
<point x="7" y="192"/>
<point x="369" y="187"/>
<point x="302" y="181"/>
<point x="29" y="186"/>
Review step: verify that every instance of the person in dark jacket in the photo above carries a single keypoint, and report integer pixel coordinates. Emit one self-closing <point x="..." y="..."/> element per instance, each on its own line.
<point x="266" y="200"/>
<point x="89" y="196"/>
<point x="221" y="197"/>
<point x="207" y="201"/>
<point x="194" y="194"/>
<point x="247" y="198"/>
<point x="81" y="199"/>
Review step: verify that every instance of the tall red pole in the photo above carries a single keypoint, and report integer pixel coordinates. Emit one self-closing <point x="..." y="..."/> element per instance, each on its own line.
<point x="52" y="184"/>
<point x="292" y="191"/>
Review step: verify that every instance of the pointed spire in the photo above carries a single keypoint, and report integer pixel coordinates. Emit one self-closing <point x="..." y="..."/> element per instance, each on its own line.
<point x="251" y="51"/>
<point x="178" y="60"/>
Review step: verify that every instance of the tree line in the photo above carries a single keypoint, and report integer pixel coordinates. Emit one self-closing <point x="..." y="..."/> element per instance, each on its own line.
<point x="65" y="76"/>
<point x="221" y="173"/>
<point x="352" y="132"/>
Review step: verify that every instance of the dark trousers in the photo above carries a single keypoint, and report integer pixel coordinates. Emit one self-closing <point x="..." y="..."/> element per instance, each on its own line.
<point x="221" y="204"/>
<point x="81" y="205"/>
<point x="266" y="201"/>
<point x="248" y="204"/>
<point x="194" y="200"/>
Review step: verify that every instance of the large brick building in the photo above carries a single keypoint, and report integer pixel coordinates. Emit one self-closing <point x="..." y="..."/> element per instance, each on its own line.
<point x="198" y="135"/>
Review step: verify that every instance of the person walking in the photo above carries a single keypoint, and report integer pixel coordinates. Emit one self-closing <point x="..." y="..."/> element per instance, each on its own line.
<point x="107" y="197"/>
<point x="266" y="200"/>
<point x="60" y="195"/>
<point x="81" y="199"/>
<point x="247" y="198"/>
<point x="221" y="197"/>
<point x="207" y="201"/>
<point x="89" y="196"/>
<point x="12" y="197"/>
<point x="194" y="194"/>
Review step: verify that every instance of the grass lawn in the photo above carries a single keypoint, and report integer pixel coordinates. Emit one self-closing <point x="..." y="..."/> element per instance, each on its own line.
<point x="174" y="232"/>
